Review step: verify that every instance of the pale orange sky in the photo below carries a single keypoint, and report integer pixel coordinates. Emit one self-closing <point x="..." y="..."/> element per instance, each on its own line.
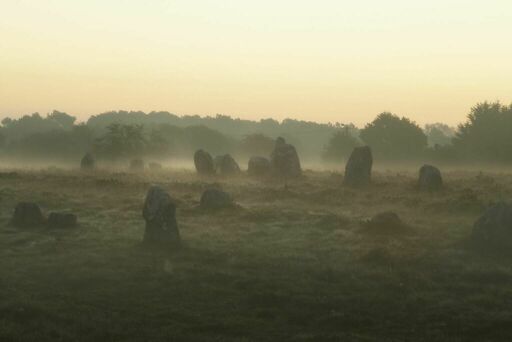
<point x="323" y="60"/>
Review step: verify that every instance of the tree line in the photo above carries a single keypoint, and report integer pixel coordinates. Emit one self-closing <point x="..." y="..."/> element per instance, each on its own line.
<point x="484" y="136"/>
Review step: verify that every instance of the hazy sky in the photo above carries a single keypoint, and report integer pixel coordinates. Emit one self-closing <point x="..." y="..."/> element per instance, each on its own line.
<point x="321" y="60"/>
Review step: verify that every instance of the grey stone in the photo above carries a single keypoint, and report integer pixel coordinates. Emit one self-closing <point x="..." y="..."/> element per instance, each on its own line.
<point x="61" y="220"/>
<point x="153" y="166"/>
<point x="358" y="170"/>
<point x="159" y="212"/>
<point x="258" y="167"/>
<point x="225" y="165"/>
<point x="386" y="222"/>
<point x="215" y="199"/>
<point x="284" y="160"/>
<point x="26" y="215"/>
<point x="430" y="178"/>
<point x="204" y="163"/>
<point x="494" y="227"/>
<point x="87" y="162"/>
<point x="137" y="165"/>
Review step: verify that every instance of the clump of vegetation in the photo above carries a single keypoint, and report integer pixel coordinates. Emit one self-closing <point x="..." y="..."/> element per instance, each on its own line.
<point x="340" y="145"/>
<point x="439" y="134"/>
<point x="118" y="135"/>
<point x="394" y="138"/>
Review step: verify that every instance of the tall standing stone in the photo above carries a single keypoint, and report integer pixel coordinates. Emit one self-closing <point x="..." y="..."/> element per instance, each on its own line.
<point x="154" y="166"/>
<point x="137" y="165"/>
<point x="284" y="160"/>
<point x="87" y="162"/>
<point x="215" y="199"/>
<point x="358" y="170"/>
<point x="430" y="178"/>
<point x="58" y="220"/>
<point x="204" y="163"/>
<point x="159" y="212"/>
<point x="27" y="215"/>
<point x="225" y="165"/>
<point x="494" y="227"/>
<point x="258" y="167"/>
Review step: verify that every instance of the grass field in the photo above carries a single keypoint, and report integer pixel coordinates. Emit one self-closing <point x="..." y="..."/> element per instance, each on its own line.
<point x="290" y="263"/>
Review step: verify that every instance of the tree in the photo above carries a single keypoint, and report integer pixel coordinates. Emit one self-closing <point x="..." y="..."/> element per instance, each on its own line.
<point x="439" y="134"/>
<point x="392" y="137"/>
<point x="486" y="133"/>
<point x="157" y="143"/>
<point x="340" y="145"/>
<point x="257" y="145"/>
<point x="121" y="141"/>
<point x="64" y="120"/>
<point x="209" y="139"/>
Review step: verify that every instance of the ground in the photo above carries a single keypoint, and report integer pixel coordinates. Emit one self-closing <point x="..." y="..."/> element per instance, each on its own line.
<point x="291" y="263"/>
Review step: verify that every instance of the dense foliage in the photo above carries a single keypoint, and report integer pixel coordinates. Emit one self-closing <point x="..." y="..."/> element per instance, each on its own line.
<point x="395" y="138"/>
<point x="340" y="145"/>
<point x="485" y="136"/>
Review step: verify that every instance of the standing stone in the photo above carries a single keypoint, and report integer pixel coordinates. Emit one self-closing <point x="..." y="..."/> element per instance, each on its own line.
<point x="87" y="162"/>
<point x="61" y="220"/>
<point x="387" y="222"/>
<point x="258" y="167"/>
<point x="215" y="199"/>
<point x="358" y="170"/>
<point x="284" y="160"/>
<point x="204" y="163"/>
<point x="153" y="166"/>
<point x="494" y="227"/>
<point x="430" y="178"/>
<point x="137" y="165"/>
<point x="159" y="212"/>
<point x="26" y="215"/>
<point x="226" y="166"/>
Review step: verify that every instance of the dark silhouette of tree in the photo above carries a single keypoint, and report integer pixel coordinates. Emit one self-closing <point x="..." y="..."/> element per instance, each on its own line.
<point x="486" y="135"/>
<point x="121" y="141"/>
<point x="64" y="120"/>
<point x="16" y="129"/>
<point x="256" y="145"/>
<point x="439" y="134"/>
<point x="395" y="138"/>
<point x="54" y="144"/>
<point x="202" y="137"/>
<point x="340" y="145"/>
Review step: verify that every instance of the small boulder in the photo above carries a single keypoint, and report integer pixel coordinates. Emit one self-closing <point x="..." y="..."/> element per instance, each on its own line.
<point x="159" y="212"/>
<point x="155" y="166"/>
<point x="215" y="199"/>
<point x="204" y="163"/>
<point x="87" y="162"/>
<point x="226" y="166"/>
<point x="386" y="222"/>
<point x="61" y="220"/>
<point x="430" y="178"/>
<point x="26" y="215"/>
<point x="137" y="165"/>
<point x="358" y="170"/>
<point x="258" y="167"/>
<point x="284" y="160"/>
<point x="494" y="227"/>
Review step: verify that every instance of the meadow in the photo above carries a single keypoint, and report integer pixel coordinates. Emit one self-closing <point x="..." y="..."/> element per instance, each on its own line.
<point x="292" y="262"/>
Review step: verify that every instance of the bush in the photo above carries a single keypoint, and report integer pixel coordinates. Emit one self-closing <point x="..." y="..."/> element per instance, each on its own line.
<point x="394" y="138"/>
<point x="486" y="134"/>
<point x="340" y="146"/>
<point x="256" y="145"/>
